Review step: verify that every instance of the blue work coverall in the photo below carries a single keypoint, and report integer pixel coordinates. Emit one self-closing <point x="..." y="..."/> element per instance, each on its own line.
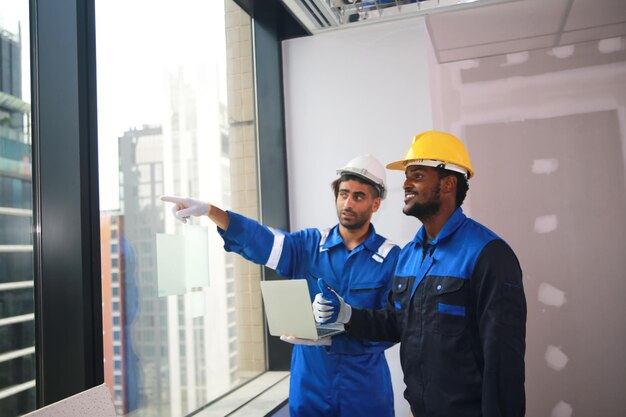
<point x="350" y="378"/>
<point x="457" y="305"/>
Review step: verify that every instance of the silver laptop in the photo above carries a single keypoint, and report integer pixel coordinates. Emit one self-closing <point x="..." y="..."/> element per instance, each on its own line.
<point x="289" y="312"/>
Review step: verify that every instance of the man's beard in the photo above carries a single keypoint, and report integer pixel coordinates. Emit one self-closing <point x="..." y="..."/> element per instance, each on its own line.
<point x="427" y="210"/>
<point x="355" y="223"/>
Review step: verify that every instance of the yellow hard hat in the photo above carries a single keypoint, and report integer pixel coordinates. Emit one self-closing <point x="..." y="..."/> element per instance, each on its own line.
<point x="436" y="149"/>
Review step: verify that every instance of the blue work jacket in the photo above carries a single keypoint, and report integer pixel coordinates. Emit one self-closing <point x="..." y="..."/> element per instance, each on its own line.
<point x="457" y="305"/>
<point x="350" y="378"/>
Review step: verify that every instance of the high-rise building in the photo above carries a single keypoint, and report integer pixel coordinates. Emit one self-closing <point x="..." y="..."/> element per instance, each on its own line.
<point x="182" y="350"/>
<point x="114" y="313"/>
<point x="196" y="142"/>
<point x="144" y="319"/>
<point x="17" y="325"/>
<point x="173" y="353"/>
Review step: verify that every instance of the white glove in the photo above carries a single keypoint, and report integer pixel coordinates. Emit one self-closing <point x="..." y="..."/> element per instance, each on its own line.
<point x="329" y="307"/>
<point x="325" y="341"/>
<point x="185" y="207"/>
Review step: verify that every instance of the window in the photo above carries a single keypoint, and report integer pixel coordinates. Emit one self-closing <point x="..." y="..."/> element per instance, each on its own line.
<point x="66" y="180"/>
<point x="17" y="324"/>
<point x="176" y="116"/>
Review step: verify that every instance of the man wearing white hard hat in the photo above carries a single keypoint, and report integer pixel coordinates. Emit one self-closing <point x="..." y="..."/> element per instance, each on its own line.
<point x="457" y="304"/>
<point x="338" y="376"/>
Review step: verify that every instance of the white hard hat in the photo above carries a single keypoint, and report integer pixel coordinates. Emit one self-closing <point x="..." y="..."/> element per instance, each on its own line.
<point x="368" y="168"/>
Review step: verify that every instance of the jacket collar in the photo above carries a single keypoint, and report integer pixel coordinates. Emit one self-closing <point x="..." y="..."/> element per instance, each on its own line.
<point x="334" y="239"/>
<point x="454" y="222"/>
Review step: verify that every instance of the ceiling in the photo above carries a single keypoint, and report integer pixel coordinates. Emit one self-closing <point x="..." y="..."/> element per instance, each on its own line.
<point x="523" y="25"/>
<point x="464" y="30"/>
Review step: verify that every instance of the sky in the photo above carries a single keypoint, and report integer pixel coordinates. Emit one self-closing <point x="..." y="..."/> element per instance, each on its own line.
<point x="138" y="43"/>
<point x="136" y="49"/>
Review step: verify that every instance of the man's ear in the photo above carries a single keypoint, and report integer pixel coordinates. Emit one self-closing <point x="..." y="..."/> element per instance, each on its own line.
<point x="376" y="204"/>
<point x="448" y="184"/>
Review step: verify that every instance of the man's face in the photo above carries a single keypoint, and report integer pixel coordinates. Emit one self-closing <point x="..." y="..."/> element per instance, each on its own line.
<point x="422" y="189"/>
<point x="355" y="204"/>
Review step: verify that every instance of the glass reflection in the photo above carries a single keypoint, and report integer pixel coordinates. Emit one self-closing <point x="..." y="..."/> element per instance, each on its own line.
<point x="175" y="115"/>
<point x="17" y="325"/>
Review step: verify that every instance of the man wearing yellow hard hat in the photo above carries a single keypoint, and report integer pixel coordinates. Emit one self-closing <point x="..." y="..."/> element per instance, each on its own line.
<point x="457" y="302"/>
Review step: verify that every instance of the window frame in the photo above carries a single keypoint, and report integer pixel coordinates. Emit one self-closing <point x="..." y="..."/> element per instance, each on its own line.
<point x="66" y="212"/>
<point x="68" y="317"/>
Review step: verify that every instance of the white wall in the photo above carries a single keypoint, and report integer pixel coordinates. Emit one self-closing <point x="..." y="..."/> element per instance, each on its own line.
<point x="348" y="93"/>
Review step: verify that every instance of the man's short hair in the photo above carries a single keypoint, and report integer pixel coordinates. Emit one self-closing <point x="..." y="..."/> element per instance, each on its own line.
<point x="348" y="177"/>
<point x="462" y="184"/>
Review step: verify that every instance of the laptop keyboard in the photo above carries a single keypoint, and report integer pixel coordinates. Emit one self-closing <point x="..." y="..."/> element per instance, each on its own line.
<point x="321" y="331"/>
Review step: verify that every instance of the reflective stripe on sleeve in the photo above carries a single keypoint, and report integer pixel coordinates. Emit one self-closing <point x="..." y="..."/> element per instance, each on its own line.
<point x="323" y="236"/>
<point x="277" y="249"/>
<point x="383" y="251"/>
<point x="385" y="248"/>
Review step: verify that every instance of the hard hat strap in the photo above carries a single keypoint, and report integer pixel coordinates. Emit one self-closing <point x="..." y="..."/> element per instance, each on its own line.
<point x="438" y="164"/>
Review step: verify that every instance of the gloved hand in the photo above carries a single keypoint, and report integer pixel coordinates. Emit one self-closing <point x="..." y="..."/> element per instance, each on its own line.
<point x="325" y="341"/>
<point x="185" y="207"/>
<point x="329" y="307"/>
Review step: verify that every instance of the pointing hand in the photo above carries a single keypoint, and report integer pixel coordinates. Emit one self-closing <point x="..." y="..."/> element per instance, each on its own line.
<point x="185" y="207"/>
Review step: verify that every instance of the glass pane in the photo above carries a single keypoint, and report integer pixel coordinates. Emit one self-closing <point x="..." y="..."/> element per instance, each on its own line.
<point x="175" y="116"/>
<point x="17" y="321"/>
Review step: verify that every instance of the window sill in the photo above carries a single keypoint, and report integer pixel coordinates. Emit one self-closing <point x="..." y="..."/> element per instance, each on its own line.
<point x="259" y="397"/>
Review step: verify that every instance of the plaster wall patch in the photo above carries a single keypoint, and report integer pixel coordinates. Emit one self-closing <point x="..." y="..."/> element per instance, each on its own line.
<point x="555" y="358"/>
<point x="551" y="296"/>
<point x="546" y="224"/>
<point x="562" y="409"/>
<point x="545" y="166"/>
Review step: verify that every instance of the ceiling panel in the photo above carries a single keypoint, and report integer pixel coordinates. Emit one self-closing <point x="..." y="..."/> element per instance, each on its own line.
<point x="594" y="33"/>
<point x="497" y="48"/>
<point x="590" y="13"/>
<point x="522" y="26"/>
<point x="496" y="23"/>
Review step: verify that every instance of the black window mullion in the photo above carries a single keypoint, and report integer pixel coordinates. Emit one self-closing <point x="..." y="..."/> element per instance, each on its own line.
<point x="66" y="214"/>
<point x="271" y="24"/>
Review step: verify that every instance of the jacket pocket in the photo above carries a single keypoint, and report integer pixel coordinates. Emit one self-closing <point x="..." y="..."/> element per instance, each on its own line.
<point x="399" y="292"/>
<point x="367" y="295"/>
<point x="449" y="300"/>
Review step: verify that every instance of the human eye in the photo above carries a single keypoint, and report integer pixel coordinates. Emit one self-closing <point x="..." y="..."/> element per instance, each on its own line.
<point x="416" y="175"/>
